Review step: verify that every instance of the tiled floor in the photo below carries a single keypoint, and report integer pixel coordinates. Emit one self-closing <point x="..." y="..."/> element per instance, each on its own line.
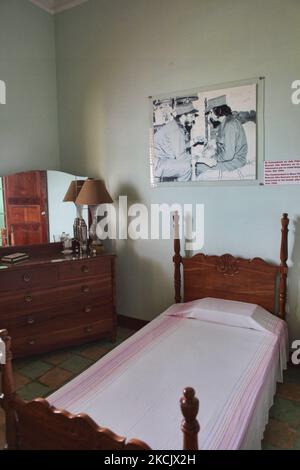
<point x="40" y="376"/>
<point x="283" y="430"/>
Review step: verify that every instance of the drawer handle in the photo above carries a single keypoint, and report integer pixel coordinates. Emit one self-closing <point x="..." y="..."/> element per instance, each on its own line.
<point x="31" y="342"/>
<point x="88" y="329"/>
<point x="27" y="277"/>
<point x="85" y="289"/>
<point x="85" y="269"/>
<point x="30" y="320"/>
<point x="28" y="299"/>
<point x="87" y="309"/>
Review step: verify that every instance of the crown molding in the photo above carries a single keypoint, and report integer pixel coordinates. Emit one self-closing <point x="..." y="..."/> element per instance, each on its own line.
<point x="57" y="6"/>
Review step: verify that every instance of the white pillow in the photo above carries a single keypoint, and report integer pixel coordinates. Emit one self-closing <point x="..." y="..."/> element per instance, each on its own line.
<point x="227" y="312"/>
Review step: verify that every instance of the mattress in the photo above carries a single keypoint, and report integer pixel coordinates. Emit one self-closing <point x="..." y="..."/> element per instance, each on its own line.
<point x="135" y="389"/>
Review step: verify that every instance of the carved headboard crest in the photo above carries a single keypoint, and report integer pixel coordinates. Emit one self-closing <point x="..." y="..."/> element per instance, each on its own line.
<point x="227" y="265"/>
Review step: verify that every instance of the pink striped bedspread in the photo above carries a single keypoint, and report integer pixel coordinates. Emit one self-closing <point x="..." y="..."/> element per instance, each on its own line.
<point x="135" y="389"/>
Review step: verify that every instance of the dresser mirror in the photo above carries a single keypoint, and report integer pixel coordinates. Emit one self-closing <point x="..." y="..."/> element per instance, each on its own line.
<point x="32" y="211"/>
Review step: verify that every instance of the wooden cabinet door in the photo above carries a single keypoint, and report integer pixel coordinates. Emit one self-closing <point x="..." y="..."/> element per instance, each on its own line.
<point x="26" y="208"/>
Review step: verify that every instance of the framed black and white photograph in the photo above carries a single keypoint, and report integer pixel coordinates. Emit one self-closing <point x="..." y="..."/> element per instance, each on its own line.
<point x="207" y="135"/>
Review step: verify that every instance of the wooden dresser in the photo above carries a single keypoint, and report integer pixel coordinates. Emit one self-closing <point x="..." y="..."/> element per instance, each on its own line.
<point x="51" y="301"/>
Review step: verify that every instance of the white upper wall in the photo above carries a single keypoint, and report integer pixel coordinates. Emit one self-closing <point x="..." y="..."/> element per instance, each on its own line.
<point x="28" y="120"/>
<point x="56" y="6"/>
<point x="112" y="55"/>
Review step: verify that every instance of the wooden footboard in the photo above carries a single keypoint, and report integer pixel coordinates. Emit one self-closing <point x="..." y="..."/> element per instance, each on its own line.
<point x="36" y="425"/>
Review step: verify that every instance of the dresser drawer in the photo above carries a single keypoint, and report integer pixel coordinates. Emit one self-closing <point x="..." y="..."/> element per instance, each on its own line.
<point x="28" y="278"/>
<point x="30" y="300"/>
<point x="46" y="305"/>
<point x="32" y="344"/>
<point x="85" y="268"/>
<point x="54" y="318"/>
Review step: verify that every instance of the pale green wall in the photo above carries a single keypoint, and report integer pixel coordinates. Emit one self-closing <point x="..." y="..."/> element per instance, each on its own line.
<point x="28" y="122"/>
<point x="112" y="54"/>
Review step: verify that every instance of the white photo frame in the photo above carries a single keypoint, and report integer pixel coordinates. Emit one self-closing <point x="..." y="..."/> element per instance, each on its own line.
<point x="208" y="136"/>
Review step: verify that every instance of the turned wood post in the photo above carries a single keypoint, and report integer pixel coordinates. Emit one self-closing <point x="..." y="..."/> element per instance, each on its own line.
<point x="9" y="393"/>
<point x="177" y="259"/>
<point x="190" y="426"/>
<point x="283" y="265"/>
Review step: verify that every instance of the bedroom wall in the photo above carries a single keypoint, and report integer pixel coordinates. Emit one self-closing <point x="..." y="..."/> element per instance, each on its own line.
<point x="28" y="120"/>
<point x="112" y="55"/>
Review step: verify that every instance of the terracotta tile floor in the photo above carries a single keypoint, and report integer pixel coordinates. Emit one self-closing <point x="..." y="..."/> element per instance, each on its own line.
<point x="40" y="376"/>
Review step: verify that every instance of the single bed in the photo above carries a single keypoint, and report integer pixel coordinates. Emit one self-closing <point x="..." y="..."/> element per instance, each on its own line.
<point x="233" y="360"/>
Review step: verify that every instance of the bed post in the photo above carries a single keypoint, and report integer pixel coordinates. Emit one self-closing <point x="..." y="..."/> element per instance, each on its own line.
<point x="190" y="426"/>
<point x="8" y="393"/>
<point x="283" y="265"/>
<point x="177" y="259"/>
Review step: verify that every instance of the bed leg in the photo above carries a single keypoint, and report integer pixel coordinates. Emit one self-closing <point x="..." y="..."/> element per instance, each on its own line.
<point x="8" y="394"/>
<point x="190" y="426"/>
<point x="177" y="259"/>
<point x="283" y="265"/>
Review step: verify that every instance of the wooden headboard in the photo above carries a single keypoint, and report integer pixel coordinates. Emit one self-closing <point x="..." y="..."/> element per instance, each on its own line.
<point x="231" y="278"/>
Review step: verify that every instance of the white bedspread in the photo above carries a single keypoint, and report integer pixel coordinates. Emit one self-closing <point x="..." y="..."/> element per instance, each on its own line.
<point x="135" y="389"/>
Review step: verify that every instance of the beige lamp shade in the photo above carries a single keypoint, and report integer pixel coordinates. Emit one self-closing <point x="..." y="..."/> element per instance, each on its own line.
<point x="73" y="190"/>
<point x="93" y="193"/>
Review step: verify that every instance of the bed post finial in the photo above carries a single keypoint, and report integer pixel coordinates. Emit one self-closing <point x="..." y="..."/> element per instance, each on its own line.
<point x="190" y="427"/>
<point x="283" y="265"/>
<point x="177" y="259"/>
<point x="9" y="393"/>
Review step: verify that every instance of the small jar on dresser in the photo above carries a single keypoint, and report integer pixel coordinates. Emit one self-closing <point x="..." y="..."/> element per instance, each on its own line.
<point x="50" y="301"/>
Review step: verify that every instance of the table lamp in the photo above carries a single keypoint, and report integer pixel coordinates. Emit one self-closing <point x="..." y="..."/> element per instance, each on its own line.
<point x="93" y="193"/>
<point x="79" y="226"/>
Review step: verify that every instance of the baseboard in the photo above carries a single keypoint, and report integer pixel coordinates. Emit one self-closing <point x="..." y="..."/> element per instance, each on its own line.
<point x="295" y="366"/>
<point x="131" y="323"/>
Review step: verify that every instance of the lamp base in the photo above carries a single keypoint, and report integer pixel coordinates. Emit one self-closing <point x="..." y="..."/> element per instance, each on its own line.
<point x="96" y="248"/>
